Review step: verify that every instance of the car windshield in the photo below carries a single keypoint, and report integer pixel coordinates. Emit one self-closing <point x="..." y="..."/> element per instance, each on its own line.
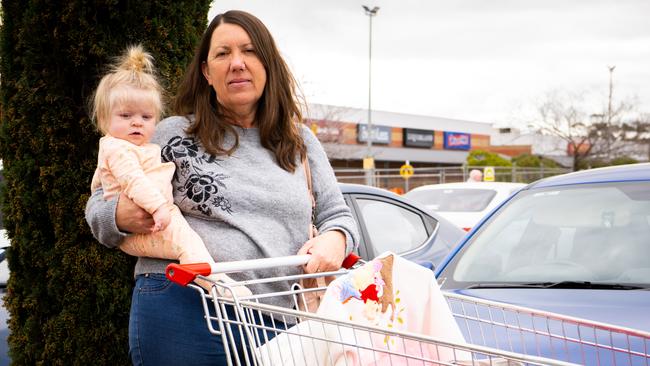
<point x="597" y="233"/>
<point x="454" y="199"/>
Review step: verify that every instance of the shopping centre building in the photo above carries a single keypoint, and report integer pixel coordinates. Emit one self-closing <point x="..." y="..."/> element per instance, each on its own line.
<point x="397" y="138"/>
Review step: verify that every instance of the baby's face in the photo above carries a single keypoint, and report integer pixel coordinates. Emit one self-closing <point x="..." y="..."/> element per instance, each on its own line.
<point x="133" y="122"/>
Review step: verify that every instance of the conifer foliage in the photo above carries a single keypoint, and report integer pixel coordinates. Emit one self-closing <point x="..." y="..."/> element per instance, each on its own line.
<point x="68" y="296"/>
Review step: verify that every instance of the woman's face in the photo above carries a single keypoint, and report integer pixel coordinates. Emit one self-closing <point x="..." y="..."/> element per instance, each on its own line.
<point x="234" y="69"/>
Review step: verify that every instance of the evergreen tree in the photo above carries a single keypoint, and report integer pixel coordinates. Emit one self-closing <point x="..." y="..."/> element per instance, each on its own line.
<point x="68" y="296"/>
<point x="534" y="161"/>
<point x="486" y="158"/>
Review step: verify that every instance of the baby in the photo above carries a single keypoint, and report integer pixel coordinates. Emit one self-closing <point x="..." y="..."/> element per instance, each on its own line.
<point x="127" y="105"/>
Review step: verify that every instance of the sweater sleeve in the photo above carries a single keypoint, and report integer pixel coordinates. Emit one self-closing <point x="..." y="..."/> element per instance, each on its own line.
<point x="100" y="215"/>
<point x="331" y="211"/>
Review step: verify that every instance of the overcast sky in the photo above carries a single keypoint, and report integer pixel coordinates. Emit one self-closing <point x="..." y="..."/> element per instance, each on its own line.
<point x="478" y="60"/>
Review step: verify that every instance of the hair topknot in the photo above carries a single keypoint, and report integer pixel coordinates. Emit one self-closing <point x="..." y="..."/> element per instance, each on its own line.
<point x="136" y="59"/>
<point x="134" y="69"/>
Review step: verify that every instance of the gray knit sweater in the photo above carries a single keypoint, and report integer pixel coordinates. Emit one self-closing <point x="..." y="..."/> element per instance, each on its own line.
<point x="243" y="206"/>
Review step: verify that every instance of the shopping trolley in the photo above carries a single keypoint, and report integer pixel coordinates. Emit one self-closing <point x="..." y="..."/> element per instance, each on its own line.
<point x="257" y="333"/>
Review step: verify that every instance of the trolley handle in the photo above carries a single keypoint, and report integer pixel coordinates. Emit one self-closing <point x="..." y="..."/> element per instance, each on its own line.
<point x="350" y="261"/>
<point x="186" y="273"/>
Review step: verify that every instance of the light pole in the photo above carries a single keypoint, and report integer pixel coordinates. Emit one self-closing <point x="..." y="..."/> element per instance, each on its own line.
<point x="606" y="120"/>
<point x="611" y="89"/>
<point x="369" y="162"/>
<point x="609" y="113"/>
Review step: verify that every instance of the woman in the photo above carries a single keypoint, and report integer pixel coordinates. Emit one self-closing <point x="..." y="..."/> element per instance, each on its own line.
<point x="238" y="149"/>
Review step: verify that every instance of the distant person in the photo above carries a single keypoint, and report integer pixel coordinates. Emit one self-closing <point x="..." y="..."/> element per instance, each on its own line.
<point x="475" y="175"/>
<point x="127" y="107"/>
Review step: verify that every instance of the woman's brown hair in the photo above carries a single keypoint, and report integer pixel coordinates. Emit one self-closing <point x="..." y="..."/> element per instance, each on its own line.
<point x="278" y="112"/>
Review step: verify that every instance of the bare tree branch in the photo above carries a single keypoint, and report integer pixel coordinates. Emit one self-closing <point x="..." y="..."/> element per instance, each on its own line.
<point x="616" y="131"/>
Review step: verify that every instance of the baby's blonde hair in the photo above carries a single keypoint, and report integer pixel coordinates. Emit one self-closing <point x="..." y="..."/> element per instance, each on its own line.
<point x="133" y="69"/>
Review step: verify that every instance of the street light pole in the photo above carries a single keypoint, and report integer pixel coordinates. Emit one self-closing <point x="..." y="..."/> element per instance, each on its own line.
<point x="609" y="113"/>
<point x="369" y="163"/>
<point x="611" y="88"/>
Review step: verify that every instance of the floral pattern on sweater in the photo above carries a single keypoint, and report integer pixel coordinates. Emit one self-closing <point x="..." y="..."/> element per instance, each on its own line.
<point x="202" y="187"/>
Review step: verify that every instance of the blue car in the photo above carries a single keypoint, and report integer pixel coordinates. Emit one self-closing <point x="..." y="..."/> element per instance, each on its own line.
<point x="576" y="244"/>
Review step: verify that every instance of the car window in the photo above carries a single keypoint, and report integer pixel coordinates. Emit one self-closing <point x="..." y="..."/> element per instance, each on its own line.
<point x="597" y="233"/>
<point x="4" y="239"/>
<point x="454" y="199"/>
<point x="391" y="227"/>
<point x="4" y="268"/>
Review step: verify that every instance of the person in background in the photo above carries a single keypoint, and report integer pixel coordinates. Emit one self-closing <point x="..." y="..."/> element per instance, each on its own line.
<point x="127" y="106"/>
<point x="238" y="145"/>
<point x="475" y="175"/>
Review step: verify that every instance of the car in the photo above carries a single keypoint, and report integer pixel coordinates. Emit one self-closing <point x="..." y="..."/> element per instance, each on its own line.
<point x="464" y="203"/>
<point x="389" y="222"/>
<point x="4" y="315"/>
<point x="577" y="244"/>
<point x="4" y="268"/>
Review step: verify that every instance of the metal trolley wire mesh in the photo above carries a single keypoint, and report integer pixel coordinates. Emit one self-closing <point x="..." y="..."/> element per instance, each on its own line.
<point x="255" y="323"/>
<point x="256" y="333"/>
<point x="546" y="334"/>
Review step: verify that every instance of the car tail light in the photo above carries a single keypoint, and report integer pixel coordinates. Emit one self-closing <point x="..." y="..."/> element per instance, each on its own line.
<point x="467" y="228"/>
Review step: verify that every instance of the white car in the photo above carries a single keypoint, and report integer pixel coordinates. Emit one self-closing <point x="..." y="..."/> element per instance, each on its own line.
<point x="464" y="204"/>
<point x="4" y="268"/>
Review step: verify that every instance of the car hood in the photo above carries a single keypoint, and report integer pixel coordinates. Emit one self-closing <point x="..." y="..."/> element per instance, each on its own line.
<point x="626" y="308"/>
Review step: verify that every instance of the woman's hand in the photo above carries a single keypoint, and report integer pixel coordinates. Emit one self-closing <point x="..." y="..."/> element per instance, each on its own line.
<point x="132" y="218"/>
<point x="327" y="252"/>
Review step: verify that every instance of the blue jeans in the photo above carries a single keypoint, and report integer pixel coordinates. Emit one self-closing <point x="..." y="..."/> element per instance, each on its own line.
<point x="167" y="326"/>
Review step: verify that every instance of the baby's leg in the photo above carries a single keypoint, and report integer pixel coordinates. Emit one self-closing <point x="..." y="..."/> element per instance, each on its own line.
<point x="147" y="245"/>
<point x="177" y="242"/>
<point x="184" y="242"/>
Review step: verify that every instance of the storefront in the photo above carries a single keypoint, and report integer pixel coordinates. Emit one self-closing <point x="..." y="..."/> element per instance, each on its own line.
<point x="396" y="138"/>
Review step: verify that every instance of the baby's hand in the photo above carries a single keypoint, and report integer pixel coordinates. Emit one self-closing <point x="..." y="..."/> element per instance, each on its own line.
<point x="161" y="217"/>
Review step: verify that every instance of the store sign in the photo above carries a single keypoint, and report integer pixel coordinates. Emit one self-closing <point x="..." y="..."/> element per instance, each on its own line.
<point x="380" y="134"/>
<point x="457" y="141"/>
<point x="327" y="132"/>
<point x="488" y="174"/>
<point x="406" y="171"/>
<point x="417" y="138"/>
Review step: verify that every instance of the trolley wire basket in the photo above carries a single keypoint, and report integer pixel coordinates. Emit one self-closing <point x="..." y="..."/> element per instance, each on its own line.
<point x="530" y="331"/>
<point x="257" y="333"/>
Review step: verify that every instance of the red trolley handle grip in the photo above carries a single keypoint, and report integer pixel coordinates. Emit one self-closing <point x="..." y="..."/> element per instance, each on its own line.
<point x="183" y="274"/>
<point x="350" y="261"/>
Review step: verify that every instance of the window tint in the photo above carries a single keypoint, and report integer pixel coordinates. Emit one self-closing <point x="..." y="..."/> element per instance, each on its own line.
<point x="391" y="227"/>
<point x="454" y="200"/>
